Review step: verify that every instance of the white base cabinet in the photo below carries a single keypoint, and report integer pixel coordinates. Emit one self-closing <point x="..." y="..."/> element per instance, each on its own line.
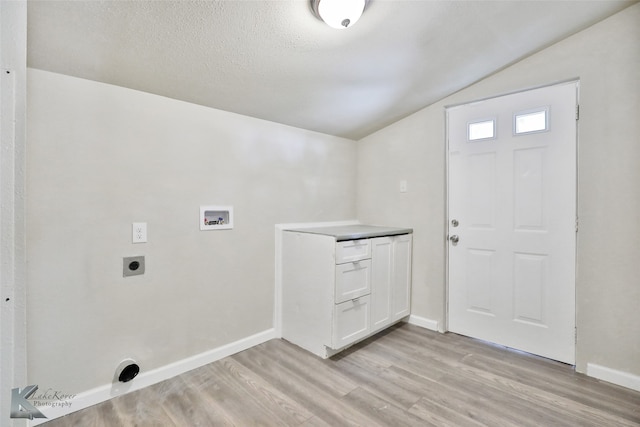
<point x="336" y="293"/>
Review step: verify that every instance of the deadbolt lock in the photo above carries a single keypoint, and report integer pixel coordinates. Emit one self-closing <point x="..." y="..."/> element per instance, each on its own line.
<point x="454" y="222"/>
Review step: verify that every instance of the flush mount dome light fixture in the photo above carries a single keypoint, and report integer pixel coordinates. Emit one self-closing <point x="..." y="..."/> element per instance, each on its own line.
<point x="338" y="14"/>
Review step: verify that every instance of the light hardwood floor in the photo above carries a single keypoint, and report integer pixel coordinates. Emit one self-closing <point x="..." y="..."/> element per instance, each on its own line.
<point x="405" y="376"/>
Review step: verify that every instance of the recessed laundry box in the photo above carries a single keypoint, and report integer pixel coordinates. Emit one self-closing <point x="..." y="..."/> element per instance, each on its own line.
<point x="216" y="217"/>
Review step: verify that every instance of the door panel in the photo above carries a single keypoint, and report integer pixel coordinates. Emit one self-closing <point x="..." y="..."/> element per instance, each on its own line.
<point x="482" y="190"/>
<point x="513" y="198"/>
<point x="480" y="280"/>
<point x="529" y="188"/>
<point x="530" y="286"/>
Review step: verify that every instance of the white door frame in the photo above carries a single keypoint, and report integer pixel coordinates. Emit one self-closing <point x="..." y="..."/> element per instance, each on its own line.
<point x="13" y="33"/>
<point x="446" y="244"/>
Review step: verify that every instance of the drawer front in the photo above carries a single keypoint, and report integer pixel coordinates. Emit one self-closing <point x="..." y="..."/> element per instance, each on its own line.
<point x="350" y="322"/>
<point x="353" y="280"/>
<point x="352" y="250"/>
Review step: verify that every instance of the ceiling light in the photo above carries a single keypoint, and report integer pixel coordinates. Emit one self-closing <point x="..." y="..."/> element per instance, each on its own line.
<point x="338" y="14"/>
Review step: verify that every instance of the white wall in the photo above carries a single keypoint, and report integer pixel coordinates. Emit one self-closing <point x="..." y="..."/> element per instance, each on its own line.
<point x="606" y="58"/>
<point x="101" y="157"/>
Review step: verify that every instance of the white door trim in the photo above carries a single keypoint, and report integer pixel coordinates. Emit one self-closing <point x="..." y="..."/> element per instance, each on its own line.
<point x="13" y="32"/>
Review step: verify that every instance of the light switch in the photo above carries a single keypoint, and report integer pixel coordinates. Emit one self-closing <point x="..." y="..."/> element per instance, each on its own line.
<point x="403" y="186"/>
<point x="139" y="230"/>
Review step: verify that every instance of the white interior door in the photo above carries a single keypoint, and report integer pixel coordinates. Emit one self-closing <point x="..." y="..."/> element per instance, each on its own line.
<point x="512" y="220"/>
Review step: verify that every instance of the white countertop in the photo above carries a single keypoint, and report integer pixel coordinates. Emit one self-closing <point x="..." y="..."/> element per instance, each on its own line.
<point x="354" y="232"/>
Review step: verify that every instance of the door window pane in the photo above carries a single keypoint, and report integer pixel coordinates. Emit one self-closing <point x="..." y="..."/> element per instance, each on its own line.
<point x="482" y="130"/>
<point x="531" y="121"/>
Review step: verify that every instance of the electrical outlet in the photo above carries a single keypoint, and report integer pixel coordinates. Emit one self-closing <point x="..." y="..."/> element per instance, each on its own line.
<point x="132" y="266"/>
<point x="139" y="230"/>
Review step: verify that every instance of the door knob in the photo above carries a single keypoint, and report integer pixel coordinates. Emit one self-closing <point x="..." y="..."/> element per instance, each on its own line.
<point x="454" y="238"/>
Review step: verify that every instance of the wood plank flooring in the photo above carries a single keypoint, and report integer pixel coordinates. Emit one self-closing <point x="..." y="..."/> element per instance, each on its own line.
<point x="405" y="376"/>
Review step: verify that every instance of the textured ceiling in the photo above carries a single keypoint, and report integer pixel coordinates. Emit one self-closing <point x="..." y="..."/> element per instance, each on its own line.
<point x="272" y="59"/>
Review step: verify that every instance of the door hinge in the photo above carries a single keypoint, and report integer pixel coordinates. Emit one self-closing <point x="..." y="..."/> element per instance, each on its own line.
<point x="577" y="225"/>
<point x="577" y="112"/>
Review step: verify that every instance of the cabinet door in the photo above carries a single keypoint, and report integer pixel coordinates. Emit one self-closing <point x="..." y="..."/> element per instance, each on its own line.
<point x="401" y="276"/>
<point x="381" y="270"/>
<point x="350" y="322"/>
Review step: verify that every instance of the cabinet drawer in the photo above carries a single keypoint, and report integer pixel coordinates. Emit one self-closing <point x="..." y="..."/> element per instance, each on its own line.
<point x="353" y="280"/>
<point x="350" y="322"/>
<point x="352" y="250"/>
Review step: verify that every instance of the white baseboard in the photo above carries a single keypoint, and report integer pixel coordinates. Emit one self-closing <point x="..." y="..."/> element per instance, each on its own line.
<point x="145" y="379"/>
<point x="424" y="322"/>
<point x="621" y="378"/>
